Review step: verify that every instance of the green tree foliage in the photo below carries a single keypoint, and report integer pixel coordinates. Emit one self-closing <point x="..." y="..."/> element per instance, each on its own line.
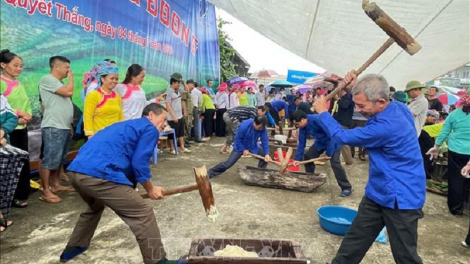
<point x="227" y="68"/>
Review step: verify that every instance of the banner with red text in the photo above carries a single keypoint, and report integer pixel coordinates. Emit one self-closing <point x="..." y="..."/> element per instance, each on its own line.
<point x="164" y="36"/>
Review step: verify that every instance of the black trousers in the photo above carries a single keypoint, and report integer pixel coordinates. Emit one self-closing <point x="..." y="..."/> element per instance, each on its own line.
<point x="335" y="161"/>
<point x="219" y="122"/>
<point x="19" y="139"/>
<point x="467" y="240"/>
<point x="457" y="183"/>
<point x="275" y="116"/>
<point x="358" y="123"/>
<point x="425" y="143"/>
<point x="208" y="122"/>
<point x="402" y="229"/>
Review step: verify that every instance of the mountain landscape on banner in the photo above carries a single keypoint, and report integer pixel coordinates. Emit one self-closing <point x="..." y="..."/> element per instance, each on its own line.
<point x="37" y="37"/>
<point x="164" y="38"/>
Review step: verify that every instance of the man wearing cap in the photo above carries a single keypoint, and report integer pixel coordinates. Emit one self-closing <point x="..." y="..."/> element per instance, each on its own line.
<point x="418" y="105"/>
<point x="187" y="100"/>
<point x="400" y="96"/>
<point x="175" y="111"/>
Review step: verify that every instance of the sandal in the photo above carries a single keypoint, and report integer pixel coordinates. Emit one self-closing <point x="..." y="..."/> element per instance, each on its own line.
<point x="50" y="199"/>
<point x="64" y="189"/>
<point x="5" y="224"/>
<point x="19" y="204"/>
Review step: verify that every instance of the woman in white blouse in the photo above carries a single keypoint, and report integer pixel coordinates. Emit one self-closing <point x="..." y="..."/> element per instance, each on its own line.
<point x="221" y="103"/>
<point x="132" y="95"/>
<point x="234" y="97"/>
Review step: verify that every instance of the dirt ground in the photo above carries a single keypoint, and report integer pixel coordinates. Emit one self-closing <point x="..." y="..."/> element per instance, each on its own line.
<point x="41" y="230"/>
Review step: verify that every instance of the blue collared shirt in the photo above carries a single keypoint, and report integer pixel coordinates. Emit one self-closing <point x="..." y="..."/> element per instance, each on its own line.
<point x="322" y="140"/>
<point x="120" y="150"/>
<point x="247" y="138"/>
<point x="396" y="172"/>
<point x="279" y="105"/>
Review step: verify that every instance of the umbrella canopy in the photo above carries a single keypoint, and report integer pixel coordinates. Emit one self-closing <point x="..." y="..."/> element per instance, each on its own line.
<point x="448" y="99"/>
<point x="303" y="88"/>
<point x="248" y="83"/>
<point x="237" y="79"/>
<point x="316" y="80"/>
<point x="281" y="83"/>
<point x="263" y="74"/>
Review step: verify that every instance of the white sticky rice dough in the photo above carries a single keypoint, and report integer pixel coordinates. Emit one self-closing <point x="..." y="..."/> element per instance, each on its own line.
<point x="235" y="251"/>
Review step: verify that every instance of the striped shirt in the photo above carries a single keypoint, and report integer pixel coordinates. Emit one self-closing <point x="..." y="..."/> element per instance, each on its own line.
<point x="242" y="113"/>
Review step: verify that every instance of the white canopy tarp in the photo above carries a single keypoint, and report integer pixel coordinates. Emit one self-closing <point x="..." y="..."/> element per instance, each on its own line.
<point x="338" y="36"/>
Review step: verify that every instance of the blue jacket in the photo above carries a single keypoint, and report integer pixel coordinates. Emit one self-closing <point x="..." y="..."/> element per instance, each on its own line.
<point x="120" y="150"/>
<point x="292" y="107"/>
<point x="322" y="140"/>
<point x="280" y="105"/>
<point x="396" y="172"/>
<point x="271" y="121"/>
<point x="247" y="138"/>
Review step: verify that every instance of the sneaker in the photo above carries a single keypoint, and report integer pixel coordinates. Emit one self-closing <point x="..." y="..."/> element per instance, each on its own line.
<point x="464" y="244"/>
<point x="346" y="192"/>
<point x="186" y="150"/>
<point x="172" y="152"/>
<point x="71" y="252"/>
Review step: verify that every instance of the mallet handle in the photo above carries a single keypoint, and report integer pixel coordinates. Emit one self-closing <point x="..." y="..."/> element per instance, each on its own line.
<point x="175" y="191"/>
<point x="364" y="66"/>
<point x="313" y="160"/>
<point x="262" y="158"/>
<point x="377" y="54"/>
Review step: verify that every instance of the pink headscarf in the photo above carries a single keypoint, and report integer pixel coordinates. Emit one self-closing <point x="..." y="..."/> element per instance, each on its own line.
<point x="464" y="100"/>
<point x="235" y="87"/>
<point x="322" y="92"/>
<point x="204" y="90"/>
<point x="222" y="87"/>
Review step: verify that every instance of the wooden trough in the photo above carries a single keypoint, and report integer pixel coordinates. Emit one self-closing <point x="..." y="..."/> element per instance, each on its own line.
<point x="296" y="181"/>
<point x="269" y="251"/>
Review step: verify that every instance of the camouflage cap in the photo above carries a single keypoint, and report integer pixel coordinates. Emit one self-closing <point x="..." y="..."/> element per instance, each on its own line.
<point x="177" y="76"/>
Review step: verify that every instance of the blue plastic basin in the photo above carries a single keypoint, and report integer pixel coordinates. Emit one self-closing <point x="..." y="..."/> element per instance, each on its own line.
<point x="336" y="219"/>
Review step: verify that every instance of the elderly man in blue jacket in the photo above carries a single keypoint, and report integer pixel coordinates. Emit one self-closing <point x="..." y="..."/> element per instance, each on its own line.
<point x="246" y="142"/>
<point x="310" y="125"/>
<point x="105" y="172"/>
<point x="396" y="190"/>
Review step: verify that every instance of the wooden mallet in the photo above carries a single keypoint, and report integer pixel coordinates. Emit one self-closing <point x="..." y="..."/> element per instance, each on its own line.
<point x="396" y="33"/>
<point x="205" y="190"/>
<point x="284" y="161"/>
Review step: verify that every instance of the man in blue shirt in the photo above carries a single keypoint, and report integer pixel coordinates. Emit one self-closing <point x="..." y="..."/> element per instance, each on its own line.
<point x="233" y="117"/>
<point x="310" y="125"/>
<point x="396" y="189"/>
<point x="246" y="142"/>
<point x="105" y="172"/>
<point x="274" y="107"/>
